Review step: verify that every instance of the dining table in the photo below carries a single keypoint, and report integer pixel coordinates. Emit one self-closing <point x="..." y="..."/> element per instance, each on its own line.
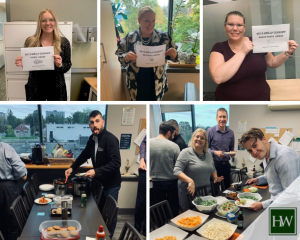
<point x="248" y="214"/>
<point x="89" y="218"/>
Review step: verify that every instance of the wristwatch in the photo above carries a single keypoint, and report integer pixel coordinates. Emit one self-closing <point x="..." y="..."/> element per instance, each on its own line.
<point x="289" y="55"/>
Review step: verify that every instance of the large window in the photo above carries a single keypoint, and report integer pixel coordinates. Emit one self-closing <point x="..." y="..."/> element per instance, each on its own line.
<point x="63" y="124"/>
<point x="185" y="13"/>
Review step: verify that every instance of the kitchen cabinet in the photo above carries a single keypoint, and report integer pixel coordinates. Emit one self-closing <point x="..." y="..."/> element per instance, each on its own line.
<point x="14" y="36"/>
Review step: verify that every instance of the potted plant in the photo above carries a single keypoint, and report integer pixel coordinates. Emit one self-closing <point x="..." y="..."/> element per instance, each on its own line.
<point x="193" y="51"/>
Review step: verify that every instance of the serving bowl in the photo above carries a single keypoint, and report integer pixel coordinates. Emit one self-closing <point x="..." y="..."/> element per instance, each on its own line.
<point x="206" y="209"/>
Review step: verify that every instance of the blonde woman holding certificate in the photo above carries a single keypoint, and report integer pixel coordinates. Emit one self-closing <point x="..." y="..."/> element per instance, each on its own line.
<point x="145" y="84"/>
<point x="48" y="84"/>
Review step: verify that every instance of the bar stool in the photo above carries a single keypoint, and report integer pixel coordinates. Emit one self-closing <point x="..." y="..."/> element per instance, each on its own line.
<point x="28" y="195"/>
<point x="129" y="232"/>
<point x="109" y="212"/>
<point x="160" y="214"/>
<point x="19" y="212"/>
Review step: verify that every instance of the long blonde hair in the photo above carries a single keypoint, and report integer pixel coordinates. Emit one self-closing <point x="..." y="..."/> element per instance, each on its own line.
<point x="191" y="142"/>
<point x="35" y="40"/>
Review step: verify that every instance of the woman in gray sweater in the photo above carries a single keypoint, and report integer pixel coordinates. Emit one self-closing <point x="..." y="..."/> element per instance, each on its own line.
<point x="194" y="167"/>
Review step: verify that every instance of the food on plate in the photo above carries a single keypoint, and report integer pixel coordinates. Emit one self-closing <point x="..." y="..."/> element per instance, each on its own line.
<point x="218" y="231"/>
<point x="250" y="189"/>
<point x="199" y="201"/>
<point x="43" y="200"/>
<point x="249" y="197"/>
<point x="232" y="196"/>
<point x="227" y="207"/>
<point x="189" y="221"/>
<point x="167" y="238"/>
<point x="61" y="232"/>
<point x="241" y="202"/>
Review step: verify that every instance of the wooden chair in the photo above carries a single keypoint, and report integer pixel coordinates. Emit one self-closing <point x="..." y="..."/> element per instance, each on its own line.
<point x="160" y="214"/>
<point x="35" y="183"/>
<point x="19" y="212"/>
<point x="28" y="195"/>
<point x="217" y="188"/>
<point x="109" y="212"/>
<point x="97" y="190"/>
<point x="129" y="233"/>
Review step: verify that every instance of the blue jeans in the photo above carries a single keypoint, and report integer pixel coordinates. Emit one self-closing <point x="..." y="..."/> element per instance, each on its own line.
<point x="114" y="192"/>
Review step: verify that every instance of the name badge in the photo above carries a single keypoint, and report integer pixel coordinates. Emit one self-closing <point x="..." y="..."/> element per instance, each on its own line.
<point x="100" y="149"/>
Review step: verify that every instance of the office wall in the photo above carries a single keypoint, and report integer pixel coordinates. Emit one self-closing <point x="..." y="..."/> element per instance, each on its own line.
<point x="127" y="195"/>
<point x="2" y="19"/>
<point x="260" y="116"/>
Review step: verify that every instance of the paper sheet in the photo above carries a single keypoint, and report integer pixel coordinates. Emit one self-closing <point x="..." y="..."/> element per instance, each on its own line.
<point x="272" y="140"/>
<point x="272" y="130"/>
<point x="140" y="137"/>
<point x="128" y="116"/>
<point x="37" y="58"/>
<point x="270" y="38"/>
<point x="286" y="138"/>
<point x="148" y="56"/>
<point x="242" y="126"/>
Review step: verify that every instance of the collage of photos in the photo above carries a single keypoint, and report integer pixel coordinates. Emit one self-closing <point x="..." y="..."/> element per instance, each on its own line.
<point x="218" y="158"/>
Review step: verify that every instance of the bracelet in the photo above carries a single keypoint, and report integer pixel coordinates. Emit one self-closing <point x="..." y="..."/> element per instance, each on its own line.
<point x="289" y="55"/>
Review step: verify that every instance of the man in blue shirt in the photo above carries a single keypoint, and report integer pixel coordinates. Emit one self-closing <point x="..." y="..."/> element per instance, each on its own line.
<point x="281" y="164"/>
<point x="220" y="140"/>
<point x="11" y="170"/>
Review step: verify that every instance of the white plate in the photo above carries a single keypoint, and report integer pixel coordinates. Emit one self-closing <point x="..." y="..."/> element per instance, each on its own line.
<point x="46" y="187"/>
<point x="219" y="215"/>
<point x="49" y="195"/>
<point x="37" y="201"/>
<point x="195" y="237"/>
<point x="201" y="230"/>
<point x="190" y="213"/>
<point x="229" y="153"/>
<point x="168" y="230"/>
<point x="80" y="174"/>
<point x="247" y="204"/>
<point x="256" y="195"/>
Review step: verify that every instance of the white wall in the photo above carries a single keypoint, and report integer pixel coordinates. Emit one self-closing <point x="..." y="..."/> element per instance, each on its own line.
<point x="260" y="116"/>
<point x="127" y="195"/>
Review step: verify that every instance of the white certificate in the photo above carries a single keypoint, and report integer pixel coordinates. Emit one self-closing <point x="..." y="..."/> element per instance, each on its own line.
<point x="270" y="38"/>
<point x="148" y="56"/>
<point x="37" y="58"/>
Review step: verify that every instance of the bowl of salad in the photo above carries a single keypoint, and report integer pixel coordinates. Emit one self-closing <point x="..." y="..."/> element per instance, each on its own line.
<point x="205" y="204"/>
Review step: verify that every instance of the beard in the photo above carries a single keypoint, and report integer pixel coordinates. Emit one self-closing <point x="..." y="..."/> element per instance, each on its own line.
<point x="96" y="134"/>
<point x="170" y="138"/>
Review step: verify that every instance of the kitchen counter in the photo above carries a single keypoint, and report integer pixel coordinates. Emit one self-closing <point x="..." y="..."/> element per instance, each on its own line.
<point x="285" y="89"/>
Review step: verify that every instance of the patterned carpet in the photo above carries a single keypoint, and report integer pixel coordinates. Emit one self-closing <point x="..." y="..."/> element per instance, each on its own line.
<point x="2" y="84"/>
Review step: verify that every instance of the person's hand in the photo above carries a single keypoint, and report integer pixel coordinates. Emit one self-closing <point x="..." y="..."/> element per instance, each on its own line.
<point x="68" y="172"/>
<point x="18" y="61"/>
<point x="130" y="56"/>
<point x="171" y="52"/>
<point x="142" y="164"/>
<point x="218" y="179"/>
<point x="220" y="154"/>
<point x="247" y="47"/>
<point x="252" y="181"/>
<point x="292" y="46"/>
<point x="256" y="206"/>
<point x="25" y="177"/>
<point x="191" y="187"/>
<point x="90" y="173"/>
<point x="57" y="61"/>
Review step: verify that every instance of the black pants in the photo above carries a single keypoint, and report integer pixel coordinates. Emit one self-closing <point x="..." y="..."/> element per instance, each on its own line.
<point x="140" y="204"/>
<point x="9" y="191"/>
<point x="146" y="85"/>
<point x="47" y="88"/>
<point x="167" y="190"/>
<point x="224" y="170"/>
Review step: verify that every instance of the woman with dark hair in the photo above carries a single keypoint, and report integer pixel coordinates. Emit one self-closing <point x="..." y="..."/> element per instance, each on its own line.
<point x="145" y="84"/>
<point x="240" y="73"/>
<point x="48" y="84"/>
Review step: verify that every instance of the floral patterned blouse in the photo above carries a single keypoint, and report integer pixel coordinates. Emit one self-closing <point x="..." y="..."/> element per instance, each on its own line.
<point x="128" y="43"/>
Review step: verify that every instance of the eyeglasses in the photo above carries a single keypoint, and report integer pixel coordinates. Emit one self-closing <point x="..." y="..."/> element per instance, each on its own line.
<point x="231" y="25"/>
<point x="46" y="20"/>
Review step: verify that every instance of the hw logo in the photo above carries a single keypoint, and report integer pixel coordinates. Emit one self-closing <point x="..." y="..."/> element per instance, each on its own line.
<point x="282" y="221"/>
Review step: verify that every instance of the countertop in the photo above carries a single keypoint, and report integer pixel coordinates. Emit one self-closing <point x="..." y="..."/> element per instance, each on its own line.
<point x="285" y="89"/>
<point x="92" y="81"/>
